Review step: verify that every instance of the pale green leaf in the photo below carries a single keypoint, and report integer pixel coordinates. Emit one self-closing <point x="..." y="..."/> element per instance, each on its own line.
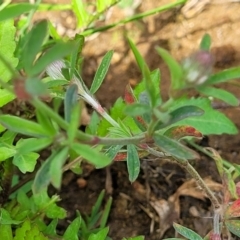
<point x="8" y="45"/>
<point x="6" y="152"/>
<point x="72" y="231"/>
<point x="5" y="96"/>
<point x="221" y="94"/>
<point x="101" y="72"/>
<point x="26" y="162"/>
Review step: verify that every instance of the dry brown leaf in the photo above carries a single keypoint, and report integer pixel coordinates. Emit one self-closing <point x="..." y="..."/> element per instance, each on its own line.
<point x="169" y="210"/>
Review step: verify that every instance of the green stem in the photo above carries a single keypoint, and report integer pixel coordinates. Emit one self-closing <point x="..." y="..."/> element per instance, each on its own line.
<point x="122" y="141"/>
<point x="134" y="18"/>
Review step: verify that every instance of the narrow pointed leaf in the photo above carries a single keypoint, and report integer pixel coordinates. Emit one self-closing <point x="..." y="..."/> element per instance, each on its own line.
<point x="133" y="163"/>
<point x="224" y="76"/>
<point x="74" y="122"/>
<point x="34" y="41"/>
<point x="100" y="235"/>
<point x="23" y="126"/>
<point x="140" y="88"/>
<point x="186" y="232"/>
<point x="91" y="155"/>
<point x="43" y="177"/>
<point x="106" y="212"/>
<point x="174" y="148"/>
<point x="205" y="42"/>
<point x="174" y="67"/>
<point x="81" y="13"/>
<point x="70" y="101"/>
<point x="15" y="10"/>
<point x="58" y="51"/>
<point x="150" y="88"/>
<point x="72" y="231"/>
<point x="56" y="167"/>
<point x="32" y="144"/>
<point x="44" y="120"/>
<point x="221" y="94"/>
<point x="140" y="60"/>
<point x="79" y="39"/>
<point x="101" y="72"/>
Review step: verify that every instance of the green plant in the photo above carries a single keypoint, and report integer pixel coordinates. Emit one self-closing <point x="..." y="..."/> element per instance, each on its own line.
<point x="138" y="125"/>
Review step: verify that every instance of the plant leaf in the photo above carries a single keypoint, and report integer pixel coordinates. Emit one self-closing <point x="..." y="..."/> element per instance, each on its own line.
<point x="221" y="94"/>
<point x="233" y="210"/>
<point x="101" y="72"/>
<point x="140" y="60"/>
<point x="34" y="40"/>
<point x="174" y="147"/>
<point x="186" y="232"/>
<point x="133" y="163"/>
<point x="92" y="127"/>
<point x="179" y="132"/>
<point x="224" y="76"/>
<point x="32" y="144"/>
<point x="81" y="13"/>
<point x="79" y="39"/>
<point x="6" y="152"/>
<point x="90" y="154"/>
<point x="23" y="126"/>
<point x="211" y="122"/>
<point x="43" y="177"/>
<point x="56" y="167"/>
<point x="70" y="101"/>
<point x="182" y="113"/>
<point x="174" y="67"/>
<point x="5" y="95"/>
<point x="136" y="109"/>
<point x="6" y="231"/>
<point x="106" y="212"/>
<point x="8" y="46"/>
<point x="72" y="231"/>
<point x="113" y="150"/>
<point x="233" y="226"/>
<point x="205" y="42"/>
<point x="43" y="201"/>
<point x="58" y="51"/>
<point x="15" y="10"/>
<point x="100" y="235"/>
<point x="6" y="218"/>
<point x="26" y="162"/>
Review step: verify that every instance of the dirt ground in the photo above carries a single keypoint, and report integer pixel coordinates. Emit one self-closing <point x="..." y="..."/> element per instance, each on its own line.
<point x="136" y="207"/>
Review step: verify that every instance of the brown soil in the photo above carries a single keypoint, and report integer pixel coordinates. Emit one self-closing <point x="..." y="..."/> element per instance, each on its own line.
<point x="132" y="212"/>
